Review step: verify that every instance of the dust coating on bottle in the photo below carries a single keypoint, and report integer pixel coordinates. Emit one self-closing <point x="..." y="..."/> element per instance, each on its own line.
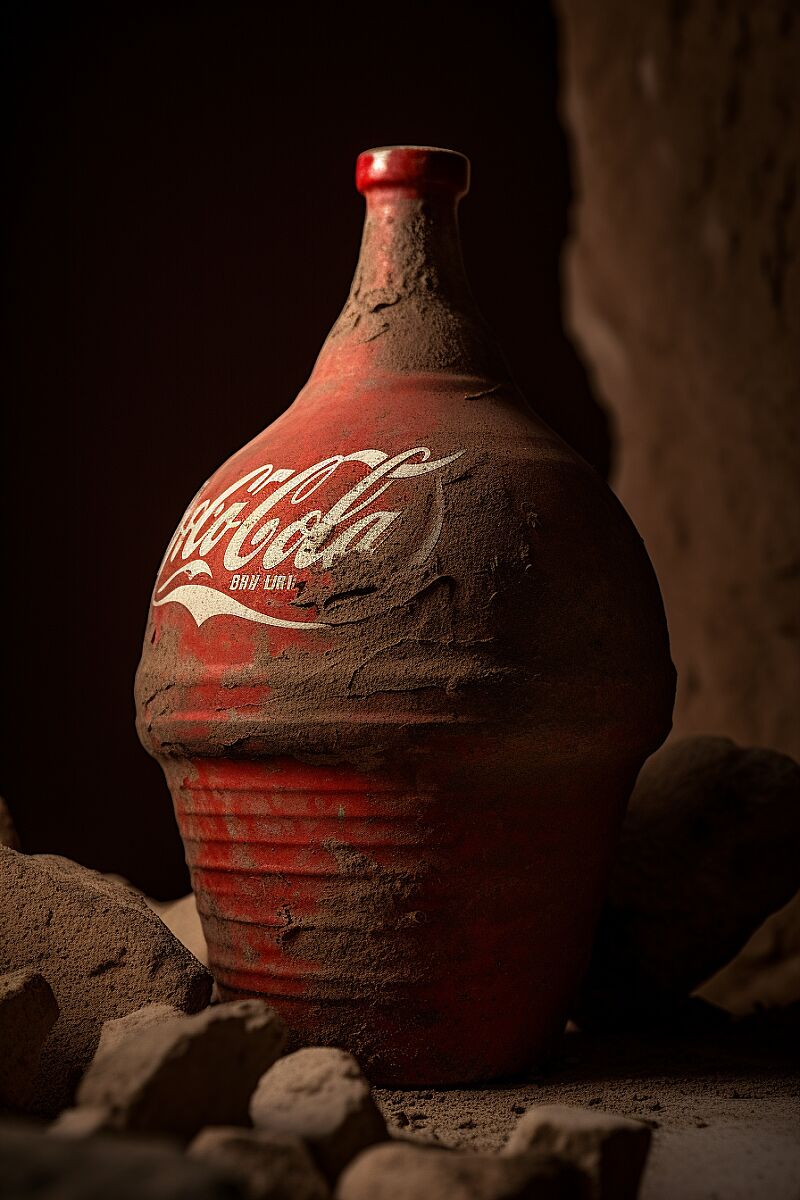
<point x="399" y="780"/>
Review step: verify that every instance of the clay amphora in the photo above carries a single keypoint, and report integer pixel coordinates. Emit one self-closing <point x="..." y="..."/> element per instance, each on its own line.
<point x="405" y="657"/>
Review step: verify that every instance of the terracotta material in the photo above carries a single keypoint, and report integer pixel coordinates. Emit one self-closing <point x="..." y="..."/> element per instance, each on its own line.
<point x="404" y="659"/>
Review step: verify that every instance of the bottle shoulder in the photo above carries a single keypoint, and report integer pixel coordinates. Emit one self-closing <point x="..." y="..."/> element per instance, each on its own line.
<point x="472" y="411"/>
<point x="364" y="458"/>
<point x="404" y="550"/>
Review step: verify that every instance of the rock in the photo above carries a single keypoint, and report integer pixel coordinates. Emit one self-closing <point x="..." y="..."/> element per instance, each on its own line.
<point x="82" y="1122"/>
<point x="683" y="291"/>
<point x="765" y="974"/>
<point x="609" y="1151"/>
<point x="709" y="848"/>
<point x="686" y="184"/>
<point x="402" y="1171"/>
<point x="183" y="920"/>
<point x="319" y="1094"/>
<point x="114" y="1033"/>
<point x="107" y="1168"/>
<point x="180" y="917"/>
<point x="8" y="832"/>
<point x="179" y="1074"/>
<point x="123" y="881"/>
<point x="269" y="1167"/>
<point x="101" y="949"/>
<point x="685" y="173"/>
<point x="28" y="1011"/>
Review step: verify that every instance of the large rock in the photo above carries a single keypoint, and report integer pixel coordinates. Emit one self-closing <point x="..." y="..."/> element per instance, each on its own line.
<point x="269" y="1167"/>
<point x="609" y="1151"/>
<point x="183" y="920"/>
<point x="683" y="291"/>
<point x="709" y="848"/>
<point x="28" y="1011"/>
<point x="402" y="1171"/>
<point x="101" y="949"/>
<point x="319" y="1094"/>
<point x="176" y="1075"/>
<point x="180" y="917"/>
<point x="44" y="1168"/>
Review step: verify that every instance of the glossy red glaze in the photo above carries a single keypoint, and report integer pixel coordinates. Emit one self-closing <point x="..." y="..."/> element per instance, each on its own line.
<point x="418" y="169"/>
<point x="404" y="658"/>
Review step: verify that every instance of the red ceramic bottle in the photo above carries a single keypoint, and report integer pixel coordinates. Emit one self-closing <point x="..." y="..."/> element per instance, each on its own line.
<point x="405" y="656"/>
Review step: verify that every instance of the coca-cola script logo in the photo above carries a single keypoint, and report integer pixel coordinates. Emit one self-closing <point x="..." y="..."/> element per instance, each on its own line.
<point x="242" y="520"/>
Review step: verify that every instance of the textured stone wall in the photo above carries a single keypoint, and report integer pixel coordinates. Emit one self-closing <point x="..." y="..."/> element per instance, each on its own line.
<point x="683" y="293"/>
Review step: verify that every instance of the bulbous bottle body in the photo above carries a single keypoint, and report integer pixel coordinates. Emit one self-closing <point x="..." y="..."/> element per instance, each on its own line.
<point x="404" y="659"/>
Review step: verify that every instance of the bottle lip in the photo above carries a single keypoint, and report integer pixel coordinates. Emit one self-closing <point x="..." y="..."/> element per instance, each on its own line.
<point x="413" y="169"/>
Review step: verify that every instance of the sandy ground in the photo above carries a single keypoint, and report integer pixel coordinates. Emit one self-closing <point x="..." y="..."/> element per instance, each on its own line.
<point x="724" y="1105"/>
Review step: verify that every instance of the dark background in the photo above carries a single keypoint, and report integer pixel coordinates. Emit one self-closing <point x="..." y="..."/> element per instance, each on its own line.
<point x="181" y="231"/>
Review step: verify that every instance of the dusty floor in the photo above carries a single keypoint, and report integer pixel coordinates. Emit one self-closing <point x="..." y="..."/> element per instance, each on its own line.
<point x="724" y="1106"/>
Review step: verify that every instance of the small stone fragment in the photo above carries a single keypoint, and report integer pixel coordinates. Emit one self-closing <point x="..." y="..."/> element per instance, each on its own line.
<point x="81" y="1122"/>
<point x="402" y="1171"/>
<point x="765" y="974"/>
<point x="114" y="1033"/>
<point x="109" y="1168"/>
<point x="101" y="949"/>
<point x="319" y="1094"/>
<point x="8" y="833"/>
<point x="269" y="1166"/>
<point x="709" y="848"/>
<point x="28" y="1011"/>
<point x="609" y="1151"/>
<point x="178" y="1074"/>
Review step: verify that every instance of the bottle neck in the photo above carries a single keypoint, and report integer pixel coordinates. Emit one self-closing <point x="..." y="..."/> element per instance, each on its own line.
<point x="410" y="307"/>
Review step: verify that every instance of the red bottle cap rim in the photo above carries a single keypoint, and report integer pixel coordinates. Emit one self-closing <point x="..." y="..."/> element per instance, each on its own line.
<point x="418" y="168"/>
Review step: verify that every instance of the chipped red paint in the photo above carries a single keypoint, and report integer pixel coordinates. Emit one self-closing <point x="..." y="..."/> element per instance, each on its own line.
<point x="405" y="657"/>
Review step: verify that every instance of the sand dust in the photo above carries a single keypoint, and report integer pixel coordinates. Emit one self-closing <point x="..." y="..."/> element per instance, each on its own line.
<point x="724" y="1106"/>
